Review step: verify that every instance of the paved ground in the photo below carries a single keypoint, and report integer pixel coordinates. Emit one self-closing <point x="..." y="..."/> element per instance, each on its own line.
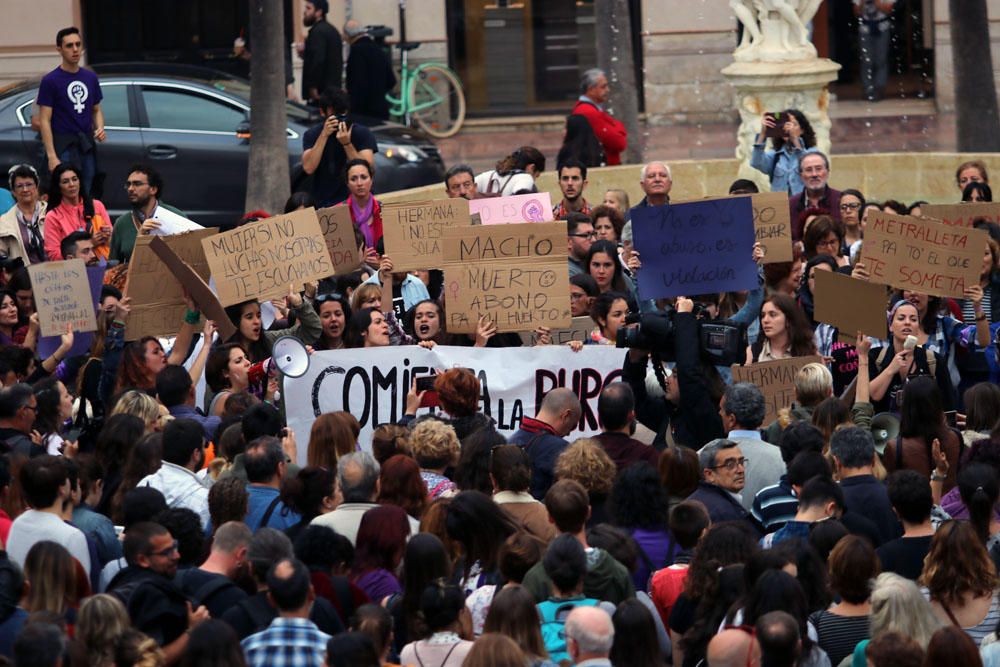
<point x="890" y="126"/>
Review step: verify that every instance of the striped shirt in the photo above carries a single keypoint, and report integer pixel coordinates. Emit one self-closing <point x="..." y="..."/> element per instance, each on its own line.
<point x="775" y="505"/>
<point x="984" y="627"/>
<point x="838" y="635"/>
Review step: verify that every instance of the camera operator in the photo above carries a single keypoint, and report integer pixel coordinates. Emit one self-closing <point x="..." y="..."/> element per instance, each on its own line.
<point x="328" y="146"/>
<point x="688" y="412"/>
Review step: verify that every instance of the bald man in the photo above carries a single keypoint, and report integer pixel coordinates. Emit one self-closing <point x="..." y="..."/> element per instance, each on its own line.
<point x="732" y="648"/>
<point x="589" y="636"/>
<point x="543" y="436"/>
<point x="369" y="73"/>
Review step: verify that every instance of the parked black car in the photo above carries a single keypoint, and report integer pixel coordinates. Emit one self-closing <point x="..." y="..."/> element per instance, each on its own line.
<point x="190" y="123"/>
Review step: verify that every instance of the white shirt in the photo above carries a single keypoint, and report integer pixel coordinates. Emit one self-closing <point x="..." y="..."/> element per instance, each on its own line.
<point x="181" y="488"/>
<point x="346" y="520"/>
<point x="34" y="526"/>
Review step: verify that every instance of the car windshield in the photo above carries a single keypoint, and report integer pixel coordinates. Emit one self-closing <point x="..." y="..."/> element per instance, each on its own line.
<point x="295" y="111"/>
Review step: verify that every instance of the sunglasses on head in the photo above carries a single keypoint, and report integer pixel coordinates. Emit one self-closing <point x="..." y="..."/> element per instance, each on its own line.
<point x="329" y="296"/>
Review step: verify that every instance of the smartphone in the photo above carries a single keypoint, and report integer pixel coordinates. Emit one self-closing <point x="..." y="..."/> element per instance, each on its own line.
<point x="951" y="416"/>
<point x="430" y="399"/>
<point x="72" y="435"/>
<point x="778" y="131"/>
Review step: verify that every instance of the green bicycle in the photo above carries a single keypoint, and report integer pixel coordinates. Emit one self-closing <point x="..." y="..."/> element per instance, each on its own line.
<point x="431" y="93"/>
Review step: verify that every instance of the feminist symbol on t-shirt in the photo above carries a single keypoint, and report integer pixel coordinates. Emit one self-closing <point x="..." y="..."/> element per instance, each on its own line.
<point x="78" y="94"/>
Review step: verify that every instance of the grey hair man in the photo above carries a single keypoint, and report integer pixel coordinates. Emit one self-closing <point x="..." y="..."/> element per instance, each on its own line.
<point x="611" y="132"/>
<point x="655" y="180"/>
<point x="358" y="478"/>
<point x="460" y="181"/>
<point x="742" y="409"/>
<point x="589" y="636"/>
<point x="723" y="478"/>
<point x="853" y="451"/>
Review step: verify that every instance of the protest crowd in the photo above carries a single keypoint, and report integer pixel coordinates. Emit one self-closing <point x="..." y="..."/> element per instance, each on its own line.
<point x="827" y="496"/>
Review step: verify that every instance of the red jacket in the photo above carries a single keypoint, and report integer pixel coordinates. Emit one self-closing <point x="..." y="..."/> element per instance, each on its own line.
<point x="610" y="132"/>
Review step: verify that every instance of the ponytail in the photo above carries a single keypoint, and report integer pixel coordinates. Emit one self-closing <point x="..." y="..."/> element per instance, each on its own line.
<point x="977" y="484"/>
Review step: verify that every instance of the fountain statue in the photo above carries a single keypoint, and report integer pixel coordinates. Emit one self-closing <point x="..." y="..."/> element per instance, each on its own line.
<point x="775" y="67"/>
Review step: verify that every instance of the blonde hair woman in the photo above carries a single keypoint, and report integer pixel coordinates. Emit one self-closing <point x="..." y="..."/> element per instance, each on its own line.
<point x="101" y="622"/>
<point x="145" y="407"/>
<point x="435" y="447"/>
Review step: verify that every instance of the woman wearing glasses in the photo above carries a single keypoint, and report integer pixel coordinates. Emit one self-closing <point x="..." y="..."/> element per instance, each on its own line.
<point x="22" y="227"/>
<point x="852" y="203"/>
<point x="825" y="236"/>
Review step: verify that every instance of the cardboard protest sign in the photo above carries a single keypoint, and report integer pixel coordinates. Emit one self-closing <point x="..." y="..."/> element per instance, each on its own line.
<point x="517" y="296"/>
<point x="81" y="339"/>
<point x="921" y="254"/>
<point x="499" y="242"/>
<point x="338" y="230"/>
<point x="199" y="290"/>
<point x="516" y="275"/>
<point x="412" y="231"/>
<point x="535" y="207"/>
<point x="772" y="226"/>
<point x="372" y="383"/>
<point x="261" y="260"/>
<point x="850" y="304"/>
<point x="157" y="299"/>
<point x="695" y="248"/>
<point x="578" y="329"/>
<point x="964" y="213"/>
<point x="775" y="379"/>
<point x="62" y="296"/>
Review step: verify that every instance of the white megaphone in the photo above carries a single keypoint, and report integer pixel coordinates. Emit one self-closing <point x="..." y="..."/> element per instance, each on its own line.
<point x="288" y="355"/>
<point x="885" y="429"/>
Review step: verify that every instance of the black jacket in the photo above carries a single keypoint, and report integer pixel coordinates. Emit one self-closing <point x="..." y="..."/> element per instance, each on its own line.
<point x="323" y="60"/>
<point x="722" y="505"/>
<point x="155" y="605"/>
<point x="369" y="78"/>
<point x="694" y="422"/>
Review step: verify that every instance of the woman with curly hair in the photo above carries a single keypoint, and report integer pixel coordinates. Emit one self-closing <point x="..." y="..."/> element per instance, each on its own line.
<point x="961" y="581"/>
<point x="228" y="501"/>
<point x="435" y="447"/>
<point x="727" y="543"/>
<point x="639" y="505"/>
<point x="401" y="484"/>
<point x="586" y="462"/>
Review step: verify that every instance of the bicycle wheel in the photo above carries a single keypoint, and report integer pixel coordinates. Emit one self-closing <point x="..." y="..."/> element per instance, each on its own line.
<point x="437" y="101"/>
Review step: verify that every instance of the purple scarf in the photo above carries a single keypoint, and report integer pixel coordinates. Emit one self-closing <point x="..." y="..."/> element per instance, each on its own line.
<point x="362" y="218"/>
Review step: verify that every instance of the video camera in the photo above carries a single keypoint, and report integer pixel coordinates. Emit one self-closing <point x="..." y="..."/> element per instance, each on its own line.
<point x="722" y="343"/>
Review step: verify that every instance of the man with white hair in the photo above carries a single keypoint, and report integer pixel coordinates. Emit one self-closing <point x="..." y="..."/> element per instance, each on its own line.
<point x="655" y="181"/>
<point x="594" y="91"/>
<point x="589" y="636"/>
<point x="369" y="73"/>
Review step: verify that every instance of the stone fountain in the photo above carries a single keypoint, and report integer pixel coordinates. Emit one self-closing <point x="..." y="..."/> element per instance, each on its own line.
<point x="775" y="68"/>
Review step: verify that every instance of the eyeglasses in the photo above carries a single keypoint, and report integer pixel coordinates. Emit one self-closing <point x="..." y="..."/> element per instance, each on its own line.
<point x="135" y="184"/>
<point x="829" y="243"/>
<point x="732" y="464"/>
<point x="169" y="551"/>
<point x="24" y="186"/>
<point x="850" y="207"/>
<point x="589" y="235"/>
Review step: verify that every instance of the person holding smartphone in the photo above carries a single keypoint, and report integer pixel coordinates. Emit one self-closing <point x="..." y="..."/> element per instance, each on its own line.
<point x="791" y="135"/>
<point x="328" y="146"/>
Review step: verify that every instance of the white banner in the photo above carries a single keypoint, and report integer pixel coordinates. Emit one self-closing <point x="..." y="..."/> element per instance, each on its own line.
<point x="372" y="383"/>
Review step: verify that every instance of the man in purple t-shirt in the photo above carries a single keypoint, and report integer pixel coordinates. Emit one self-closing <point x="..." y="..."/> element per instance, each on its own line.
<point x="69" y="103"/>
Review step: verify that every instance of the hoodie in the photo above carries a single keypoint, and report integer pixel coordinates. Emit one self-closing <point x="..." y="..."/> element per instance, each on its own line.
<point x="607" y="579"/>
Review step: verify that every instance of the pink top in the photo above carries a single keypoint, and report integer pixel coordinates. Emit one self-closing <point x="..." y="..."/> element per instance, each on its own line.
<point x="64" y="219"/>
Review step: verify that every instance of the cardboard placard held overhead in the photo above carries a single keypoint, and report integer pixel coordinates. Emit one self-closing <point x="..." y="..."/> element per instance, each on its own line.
<point x="338" y="230"/>
<point x="262" y="259"/>
<point x="412" y="231"/>
<point x="62" y="296"/>
<point x="517" y="296"/>
<point x="850" y="304"/>
<point x="500" y="242"/>
<point x="922" y="255"/>
<point x="81" y="339"/>
<point x="696" y="247"/>
<point x="578" y="329"/>
<point x="535" y="207"/>
<point x="775" y="379"/>
<point x="963" y="214"/>
<point x="199" y="290"/>
<point x="157" y="299"/>
<point x="772" y="226"/>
